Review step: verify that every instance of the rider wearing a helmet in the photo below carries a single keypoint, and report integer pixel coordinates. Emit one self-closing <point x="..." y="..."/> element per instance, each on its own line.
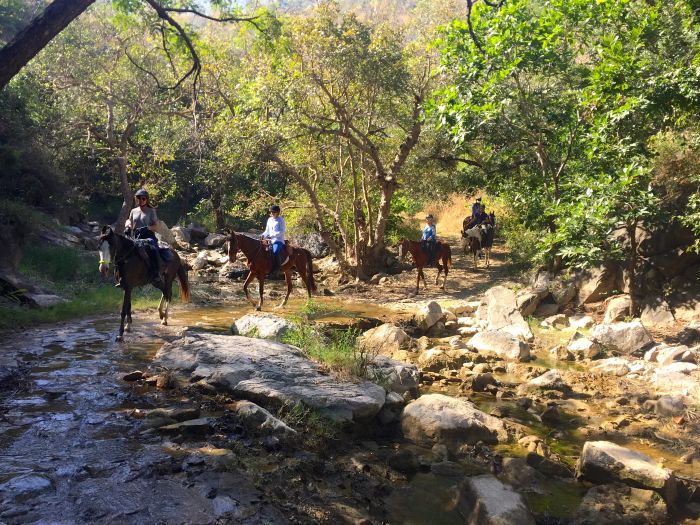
<point x="274" y="230"/>
<point x="143" y="223"/>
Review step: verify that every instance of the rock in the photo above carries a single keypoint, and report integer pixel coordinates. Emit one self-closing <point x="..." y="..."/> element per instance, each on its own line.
<point x="468" y="307"/>
<point x="547" y="466"/>
<point x="436" y="359"/>
<point x="391" y="411"/>
<point x="502" y="344"/>
<point x="616" y="366"/>
<point x="674" y="262"/>
<point x="404" y="460"/>
<point x="480" y="382"/>
<point x="467" y="331"/>
<point x="428" y="315"/>
<point x="565" y="293"/>
<point x="619" y="504"/>
<point x="527" y="303"/>
<point x="377" y="277"/>
<point x="436" y="418"/>
<point x="679" y="367"/>
<point x="456" y="342"/>
<point x="395" y="376"/>
<point x="214" y="240"/>
<point x="191" y="426"/>
<point x="384" y="339"/>
<point x="657" y="314"/>
<point x="617" y="308"/>
<point x="197" y="232"/>
<point x="546" y="310"/>
<point x="556" y="321"/>
<point x="673" y="382"/>
<point x="561" y="353"/>
<point x="267" y="372"/>
<point x="437" y="330"/>
<point x="669" y="405"/>
<point x="550" y="380"/>
<point x="690" y="334"/>
<point x="136" y="375"/>
<point x="665" y="355"/>
<point x="623" y="337"/>
<point x="596" y="284"/>
<point x="466" y="321"/>
<point x="262" y="325"/>
<point x="182" y="235"/>
<point x="605" y="462"/>
<point x="201" y="261"/>
<point x="582" y="347"/>
<point x="447" y="469"/>
<point x="312" y="242"/>
<point x="581" y="321"/>
<point x="25" y="292"/>
<point x="164" y="234"/>
<point x="258" y="418"/>
<point x="534" y="444"/>
<point x="551" y="416"/>
<point x="26" y="485"/>
<point x="503" y="315"/>
<point x="484" y="500"/>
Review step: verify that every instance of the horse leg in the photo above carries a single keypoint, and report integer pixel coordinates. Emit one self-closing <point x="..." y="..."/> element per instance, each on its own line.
<point x="261" y="285"/>
<point x="168" y="296"/>
<point x="437" y="277"/>
<point x="422" y="274"/>
<point x="488" y="257"/>
<point x="444" y="282"/>
<point x="245" y="287"/>
<point x="288" y="281"/>
<point x="126" y="303"/>
<point x="160" y="306"/>
<point x="418" y="271"/>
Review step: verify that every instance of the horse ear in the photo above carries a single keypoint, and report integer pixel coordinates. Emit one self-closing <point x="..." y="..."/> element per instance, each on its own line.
<point x="106" y="229"/>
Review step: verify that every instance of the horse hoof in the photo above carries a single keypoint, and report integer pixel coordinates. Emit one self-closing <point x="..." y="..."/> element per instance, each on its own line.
<point x="164" y="322"/>
<point x="119" y="339"/>
<point x="258" y="308"/>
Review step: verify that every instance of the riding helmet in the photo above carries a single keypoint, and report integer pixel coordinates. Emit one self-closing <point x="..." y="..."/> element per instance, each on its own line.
<point x="429" y="216"/>
<point x="275" y="208"/>
<point x="141" y="193"/>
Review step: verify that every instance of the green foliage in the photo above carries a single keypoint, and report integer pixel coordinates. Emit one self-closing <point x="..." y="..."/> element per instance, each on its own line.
<point x="316" y="429"/>
<point x="337" y="350"/>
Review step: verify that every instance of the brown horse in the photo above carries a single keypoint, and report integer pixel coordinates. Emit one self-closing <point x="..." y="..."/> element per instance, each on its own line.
<point x="122" y="252"/>
<point x="260" y="264"/>
<point x="421" y="258"/>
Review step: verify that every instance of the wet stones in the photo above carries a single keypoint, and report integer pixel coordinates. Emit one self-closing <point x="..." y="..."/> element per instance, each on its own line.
<point x="605" y="462"/>
<point x="436" y="418"/>
<point x="623" y="337"/>
<point x="485" y="500"/>
<point x="502" y="344"/>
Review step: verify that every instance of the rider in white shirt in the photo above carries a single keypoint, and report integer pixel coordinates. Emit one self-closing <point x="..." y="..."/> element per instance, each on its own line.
<point x="274" y="230"/>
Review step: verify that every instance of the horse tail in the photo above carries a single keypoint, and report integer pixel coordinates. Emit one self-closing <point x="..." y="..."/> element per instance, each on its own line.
<point x="183" y="282"/>
<point x="449" y="254"/>
<point x="310" y="270"/>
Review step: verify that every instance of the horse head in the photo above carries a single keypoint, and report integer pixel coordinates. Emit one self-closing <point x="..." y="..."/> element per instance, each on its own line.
<point x="106" y="248"/>
<point x="232" y="244"/>
<point x="403" y="248"/>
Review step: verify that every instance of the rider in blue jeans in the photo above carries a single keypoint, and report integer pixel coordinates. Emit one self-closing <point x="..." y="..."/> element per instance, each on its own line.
<point x="430" y="238"/>
<point x="274" y="230"/>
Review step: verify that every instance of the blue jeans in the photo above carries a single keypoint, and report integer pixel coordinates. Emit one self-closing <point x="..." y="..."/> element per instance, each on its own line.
<point x="277" y="246"/>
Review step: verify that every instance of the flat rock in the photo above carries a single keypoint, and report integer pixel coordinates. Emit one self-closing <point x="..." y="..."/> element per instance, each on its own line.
<point x="261" y="324"/>
<point x="605" y="462"/>
<point x="550" y="380"/>
<point x="502" y="344"/>
<point x="616" y="366"/>
<point x="485" y="500"/>
<point x="436" y="418"/>
<point x="268" y="372"/>
<point x="623" y="337"/>
<point x="619" y="504"/>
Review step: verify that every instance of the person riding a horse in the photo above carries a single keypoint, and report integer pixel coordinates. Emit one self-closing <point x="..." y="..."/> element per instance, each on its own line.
<point x="142" y="224"/>
<point x="476" y="207"/>
<point x="480" y="218"/>
<point x="429" y="239"/>
<point x="274" y="231"/>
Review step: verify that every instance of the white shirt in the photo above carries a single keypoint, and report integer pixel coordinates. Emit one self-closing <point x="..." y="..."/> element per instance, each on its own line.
<point x="274" y="229"/>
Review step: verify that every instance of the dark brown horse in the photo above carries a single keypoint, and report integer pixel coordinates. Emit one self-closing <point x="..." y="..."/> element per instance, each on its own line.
<point x="260" y="264"/>
<point x="421" y="258"/>
<point x="477" y="239"/>
<point x="122" y="252"/>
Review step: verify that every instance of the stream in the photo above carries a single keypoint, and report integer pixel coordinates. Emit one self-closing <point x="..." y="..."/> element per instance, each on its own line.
<point x="73" y="448"/>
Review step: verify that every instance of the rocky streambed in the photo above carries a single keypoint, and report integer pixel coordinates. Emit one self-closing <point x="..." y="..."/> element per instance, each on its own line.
<point x="466" y="412"/>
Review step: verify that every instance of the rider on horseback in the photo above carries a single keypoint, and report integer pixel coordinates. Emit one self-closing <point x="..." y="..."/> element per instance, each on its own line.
<point x="274" y="230"/>
<point x="142" y="224"/>
<point x="481" y="217"/>
<point x="429" y="239"/>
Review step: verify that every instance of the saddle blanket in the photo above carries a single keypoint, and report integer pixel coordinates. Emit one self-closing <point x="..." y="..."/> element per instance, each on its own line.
<point x="163" y="248"/>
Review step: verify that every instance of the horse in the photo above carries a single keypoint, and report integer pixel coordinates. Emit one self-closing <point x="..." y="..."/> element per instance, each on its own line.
<point x="476" y="239"/>
<point x="421" y="259"/>
<point x="122" y="252"/>
<point x="260" y="264"/>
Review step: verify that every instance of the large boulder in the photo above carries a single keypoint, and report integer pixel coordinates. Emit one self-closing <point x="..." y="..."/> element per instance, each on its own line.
<point x="164" y="234"/>
<point x="623" y="337"/>
<point x="384" y="339"/>
<point x="197" y="233"/>
<point x="26" y="292"/>
<point x="485" y="500"/>
<point x="260" y="324"/>
<point x="503" y="314"/>
<point x="395" y="376"/>
<point x="428" y="315"/>
<point x="312" y="242"/>
<point x="605" y="462"/>
<point x="617" y="308"/>
<point x="527" y="302"/>
<point x="181" y="235"/>
<point x="619" y="504"/>
<point x="269" y="373"/>
<point x="214" y="240"/>
<point x="502" y="344"/>
<point x="582" y="347"/>
<point x="657" y="314"/>
<point x="436" y="418"/>
<point x="674" y="262"/>
<point x="598" y="283"/>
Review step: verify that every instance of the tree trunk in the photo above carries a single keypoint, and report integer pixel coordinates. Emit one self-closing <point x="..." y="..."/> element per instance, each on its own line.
<point x="33" y="38"/>
<point x="127" y="194"/>
<point x="631" y="268"/>
<point x="218" y="212"/>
